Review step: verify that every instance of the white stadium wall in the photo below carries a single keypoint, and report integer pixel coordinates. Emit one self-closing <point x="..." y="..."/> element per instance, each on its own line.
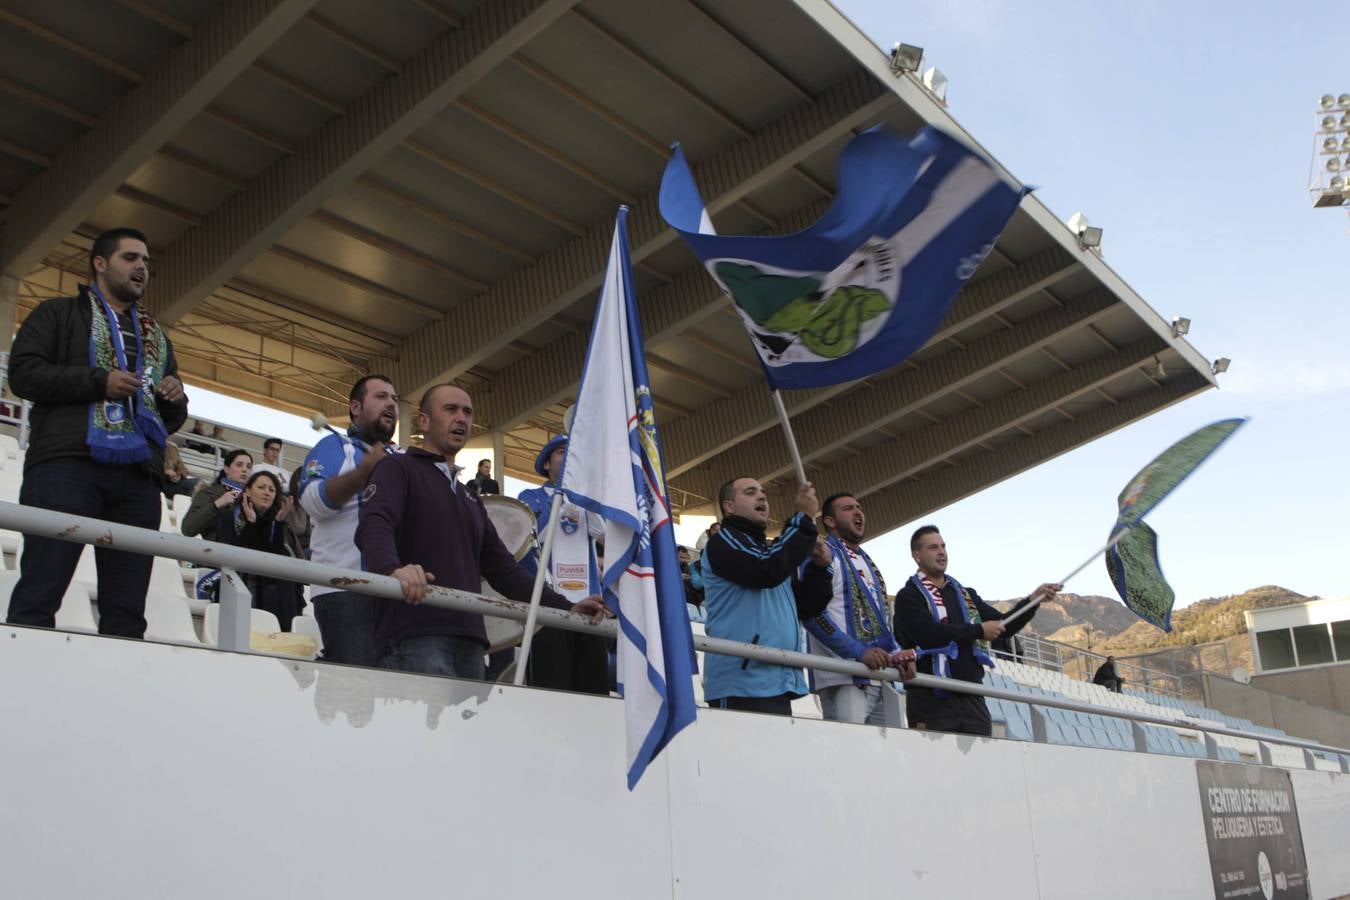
<point x="147" y="770"/>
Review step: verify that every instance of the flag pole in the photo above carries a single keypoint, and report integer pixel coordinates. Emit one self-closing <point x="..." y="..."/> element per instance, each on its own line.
<point x="533" y="616"/>
<point x="1038" y="598"/>
<point x="791" y="439"/>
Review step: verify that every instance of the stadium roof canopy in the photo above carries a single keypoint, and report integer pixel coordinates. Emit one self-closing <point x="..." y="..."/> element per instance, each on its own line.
<point x="427" y="188"/>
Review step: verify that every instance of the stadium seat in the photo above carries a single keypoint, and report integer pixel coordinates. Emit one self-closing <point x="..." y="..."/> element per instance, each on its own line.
<point x="11" y="542"/>
<point x="75" y="613"/>
<point x="807" y="707"/>
<point x="1284" y="755"/>
<point x="180" y="503"/>
<point x="11" y="477"/>
<point x="86" y="572"/>
<point x="310" y="626"/>
<point x="166" y="577"/>
<point x="167" y="618"/>
<point x="259" y="620"/>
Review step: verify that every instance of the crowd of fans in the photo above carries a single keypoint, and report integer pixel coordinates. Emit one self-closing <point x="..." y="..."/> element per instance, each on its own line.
<point x="103" y="380"/>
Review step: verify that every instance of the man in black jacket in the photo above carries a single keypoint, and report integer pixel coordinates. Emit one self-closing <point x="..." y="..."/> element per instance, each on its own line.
<point x="1107" y="676"/>
<point x="103" y="380"/>
<point x="933" y="611"/>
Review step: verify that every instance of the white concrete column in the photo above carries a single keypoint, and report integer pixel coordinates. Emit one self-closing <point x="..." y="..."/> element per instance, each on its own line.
<point x="499" y="458"/>
<point x="407" y="411"/>
<point x="9" y="310"/>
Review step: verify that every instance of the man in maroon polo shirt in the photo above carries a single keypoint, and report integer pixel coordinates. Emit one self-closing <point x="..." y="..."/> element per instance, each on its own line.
<point x="421" y="525"/>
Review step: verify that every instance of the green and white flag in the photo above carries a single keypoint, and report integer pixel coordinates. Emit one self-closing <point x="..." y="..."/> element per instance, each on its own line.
<point x="1132" y="562"/>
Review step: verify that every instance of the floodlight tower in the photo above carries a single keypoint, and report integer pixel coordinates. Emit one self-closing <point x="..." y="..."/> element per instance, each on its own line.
<point x="1329" y="181"/>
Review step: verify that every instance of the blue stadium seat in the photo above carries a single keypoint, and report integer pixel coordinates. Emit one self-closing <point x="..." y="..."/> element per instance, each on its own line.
<point x="1096" y="730"/>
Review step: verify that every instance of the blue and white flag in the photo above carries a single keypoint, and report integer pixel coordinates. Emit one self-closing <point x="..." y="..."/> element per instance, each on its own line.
<point x="613" y="468"/>
<point x="869" y="283"/>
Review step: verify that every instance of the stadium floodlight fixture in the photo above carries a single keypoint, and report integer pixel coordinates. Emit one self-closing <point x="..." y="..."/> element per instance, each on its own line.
<point x="1334" y="164"/>
<point x="1337" y="184"/>
<point x="1331" y="145"/>
<point x="1328" y="122"/>
<point x="1343" y="100"/>
<point x="905" y="58"/>
<point x="1345" y="144"/>
<point x="1220" y="365"/>
<point x="1345" y="120"/>
<point x="936" y="83"/>
<point x="1327" y="101"/>
<point x="1089" y="238"/>
<point x="1181" y="326"/>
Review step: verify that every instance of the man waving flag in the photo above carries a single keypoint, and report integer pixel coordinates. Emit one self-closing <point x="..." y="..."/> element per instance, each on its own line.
<point x="613" y="468"/>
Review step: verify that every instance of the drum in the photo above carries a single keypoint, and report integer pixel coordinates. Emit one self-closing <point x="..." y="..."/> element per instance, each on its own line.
<point x="514" y="522"/>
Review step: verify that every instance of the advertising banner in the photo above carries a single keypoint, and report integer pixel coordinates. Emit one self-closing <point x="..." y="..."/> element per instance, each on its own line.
<point x="1251" y="826"/>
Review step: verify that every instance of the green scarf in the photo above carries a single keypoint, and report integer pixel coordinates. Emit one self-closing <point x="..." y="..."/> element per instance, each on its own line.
<point x="121" y="431"/>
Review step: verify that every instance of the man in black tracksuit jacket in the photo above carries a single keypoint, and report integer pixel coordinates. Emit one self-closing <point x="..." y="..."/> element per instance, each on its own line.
<point x="757" y="591"/>
<point x="918" y="626"/>
<point x="50" y="365"/>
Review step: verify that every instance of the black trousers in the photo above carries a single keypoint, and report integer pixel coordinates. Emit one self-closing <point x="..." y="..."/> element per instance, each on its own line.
<point x="774" y="706"/>
<point x="281" y="598"/>
<point x="959" y="713"/>
<point x="119" y="493"/>
<point x="569" y="661"/>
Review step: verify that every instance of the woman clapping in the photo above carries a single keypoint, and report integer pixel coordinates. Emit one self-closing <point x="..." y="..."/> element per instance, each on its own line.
<point x="254" y="521"/>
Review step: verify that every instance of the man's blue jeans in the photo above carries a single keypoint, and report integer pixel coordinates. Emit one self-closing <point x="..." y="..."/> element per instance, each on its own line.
<point x="460" y="657"/>
<point x="347" y="624"/>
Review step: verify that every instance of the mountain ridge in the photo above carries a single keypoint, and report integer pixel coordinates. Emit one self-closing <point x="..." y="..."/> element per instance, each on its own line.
<point x="1103" y="624"/>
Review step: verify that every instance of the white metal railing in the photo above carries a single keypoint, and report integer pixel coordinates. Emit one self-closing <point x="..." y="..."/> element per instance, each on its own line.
<point x="235" y="603"/>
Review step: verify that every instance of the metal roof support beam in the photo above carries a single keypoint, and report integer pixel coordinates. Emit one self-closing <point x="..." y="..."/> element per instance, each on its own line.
<point x="566" y="274"/>
<point x="726" y="423"/>
<point x="346" y="328"/>
<point x="442" y="218"/>
<point x="392" y="297"/>
<point x="943" y="485"/>
<point x="203" y="373"/>
<point x="553" y="372"/>
<point x="340" y="150"/>
<point x="684" y="88"/>
<point x="138" y="123"/>
<point x="885" y="465"/>
<point x="827" y="428"/>
<point x="47" y="102"/>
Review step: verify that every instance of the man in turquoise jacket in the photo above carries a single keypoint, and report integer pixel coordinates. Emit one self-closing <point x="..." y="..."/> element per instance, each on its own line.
<point x="757" y="591"/>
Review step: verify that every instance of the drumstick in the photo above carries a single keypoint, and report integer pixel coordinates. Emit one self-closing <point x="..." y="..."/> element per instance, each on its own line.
<point x="319" y="422"/>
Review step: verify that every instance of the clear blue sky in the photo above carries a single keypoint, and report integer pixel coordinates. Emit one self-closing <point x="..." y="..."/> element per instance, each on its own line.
<point x="1185" y="131"/>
